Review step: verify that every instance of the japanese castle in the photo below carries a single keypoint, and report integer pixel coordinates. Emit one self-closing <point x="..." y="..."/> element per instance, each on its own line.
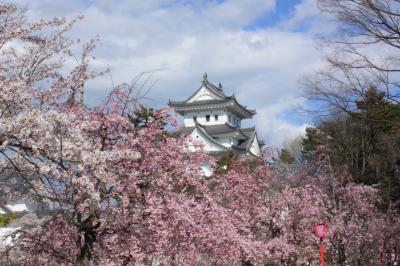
<point x="214" y="119"/>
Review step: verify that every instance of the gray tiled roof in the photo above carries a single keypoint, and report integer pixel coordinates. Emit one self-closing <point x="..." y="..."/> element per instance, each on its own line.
<point x="248" y="131"/>
<point x="217" y="90"/>
<point x="213" y="88"/>
<point x="229" y="102"/>
<point x="203" y="130"/>
<point x="199" y="103"/>
<point x="207" y="104"/>
<point x="226" y="129"/>
<point x="245" y="145"/>
<point x="220" y="129"/>
<point x="214" y="130"/>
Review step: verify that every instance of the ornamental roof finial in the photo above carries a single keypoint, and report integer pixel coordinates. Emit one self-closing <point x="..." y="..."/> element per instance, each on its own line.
<point x="220" y="86"/>
<point x="205" y="78"/>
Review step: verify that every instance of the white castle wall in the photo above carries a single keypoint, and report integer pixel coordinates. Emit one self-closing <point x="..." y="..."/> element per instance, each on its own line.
<point x="227" y="142"/>
<point x="223" y="117"/>
<point x="255" y="148"/>
<point x="197" y="138"/>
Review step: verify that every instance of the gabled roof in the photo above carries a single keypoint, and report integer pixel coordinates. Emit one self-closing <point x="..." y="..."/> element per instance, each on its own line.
<point x="222" y="129"/>
<point x="245" y="147"/>
<point x="210" y="132"/>
<point x="228" y="102"/>
<point x="198" y="103"/>
<point x="249" y="132"/>
<point x="202" y="129"/>
<point x="223" y="101"/>
<point x="210" y="87"/>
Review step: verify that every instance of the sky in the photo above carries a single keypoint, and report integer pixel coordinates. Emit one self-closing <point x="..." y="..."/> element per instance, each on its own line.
<point x="258" y="49"/>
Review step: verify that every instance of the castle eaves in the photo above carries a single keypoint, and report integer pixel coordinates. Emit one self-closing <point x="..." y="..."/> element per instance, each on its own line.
<point x="227" y="103"/>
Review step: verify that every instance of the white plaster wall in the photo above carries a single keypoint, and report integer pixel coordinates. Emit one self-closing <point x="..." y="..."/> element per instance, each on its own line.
<point x="227" y="142"/>
<point x="255" y="148"/>
<point x="223" y="117"/>
<point x="197" y="138"/>
<point x="235" y="120"/>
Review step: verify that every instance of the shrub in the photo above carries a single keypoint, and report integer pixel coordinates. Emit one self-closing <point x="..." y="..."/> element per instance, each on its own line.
<point x="5" y="219"/>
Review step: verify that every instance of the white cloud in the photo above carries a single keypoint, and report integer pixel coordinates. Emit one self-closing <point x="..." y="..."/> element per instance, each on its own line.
<point x="307" y="14"/>
<point x="187" y="38"/>
<point x="275" y="127"/>
<point x="305" y="10"/>
<point x="237" y="13"/>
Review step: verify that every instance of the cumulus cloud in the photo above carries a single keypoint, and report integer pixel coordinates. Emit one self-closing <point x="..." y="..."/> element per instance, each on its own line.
<point x="187" y="38"/>
<point x="306" y="16"/>
<point x="275" y="126"/>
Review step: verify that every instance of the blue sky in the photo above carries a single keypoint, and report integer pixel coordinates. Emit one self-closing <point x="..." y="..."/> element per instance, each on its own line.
<point x="284" y="9"/>
<point x="258" y="49"/>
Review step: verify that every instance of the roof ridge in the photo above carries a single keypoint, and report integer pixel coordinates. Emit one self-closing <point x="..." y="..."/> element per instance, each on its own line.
<point x="215" y="88"/>
<point x="202" y="129"/>
<point x="243" y="106"/>
<point x="240" y="131"/>
<point x="221" y="98"/>
<point x="248" y="128"/>
<point x="230" y="125"/>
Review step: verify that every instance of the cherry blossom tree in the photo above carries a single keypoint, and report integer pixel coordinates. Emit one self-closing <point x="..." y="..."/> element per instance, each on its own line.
<point x="120" y="194"/>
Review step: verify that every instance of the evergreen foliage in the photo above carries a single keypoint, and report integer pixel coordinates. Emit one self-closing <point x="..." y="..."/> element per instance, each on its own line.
<point x="5" y="219"/>
<point x="365" y="142"/>
<point x="286" y="157"/>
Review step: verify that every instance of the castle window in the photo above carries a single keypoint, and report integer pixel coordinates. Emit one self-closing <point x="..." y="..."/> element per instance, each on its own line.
<point x="216" y="117"/>
<point x="207" y="118"/>
<point x="195" y="119"/>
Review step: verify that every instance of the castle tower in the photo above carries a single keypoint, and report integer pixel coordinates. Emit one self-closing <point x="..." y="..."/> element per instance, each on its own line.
<point x="214" y="119"/>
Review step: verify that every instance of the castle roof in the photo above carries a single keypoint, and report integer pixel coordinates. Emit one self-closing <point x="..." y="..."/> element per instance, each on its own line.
<point x="244" y="135"/>
<point x="211" y="87"/>
<point x="216" y="99"/>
